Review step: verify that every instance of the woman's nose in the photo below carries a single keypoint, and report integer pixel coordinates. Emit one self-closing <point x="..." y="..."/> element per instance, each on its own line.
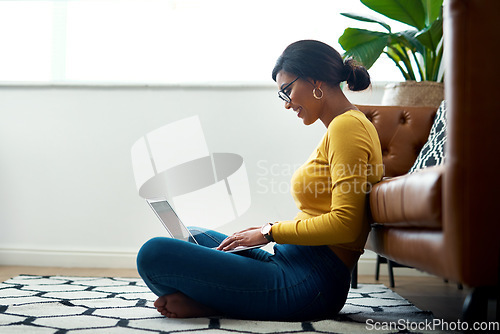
<point x="288" y="105"/>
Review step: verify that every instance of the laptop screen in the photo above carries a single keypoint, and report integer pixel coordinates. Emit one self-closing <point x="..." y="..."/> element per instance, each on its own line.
<point x="170" y="220"/>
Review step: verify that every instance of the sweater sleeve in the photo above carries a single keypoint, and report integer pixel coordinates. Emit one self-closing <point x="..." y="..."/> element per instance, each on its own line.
<point x="347" y="147"/>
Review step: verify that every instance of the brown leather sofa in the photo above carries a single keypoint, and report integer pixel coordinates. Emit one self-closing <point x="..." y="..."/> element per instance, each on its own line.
<point x="409" y="201"/>
<point x="446" y="220"/>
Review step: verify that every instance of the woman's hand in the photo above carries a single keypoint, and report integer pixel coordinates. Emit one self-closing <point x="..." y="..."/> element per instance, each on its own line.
<point x="249" y="237"/>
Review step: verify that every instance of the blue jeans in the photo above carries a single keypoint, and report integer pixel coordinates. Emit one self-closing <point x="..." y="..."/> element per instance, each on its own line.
<point x="296" y="283"/>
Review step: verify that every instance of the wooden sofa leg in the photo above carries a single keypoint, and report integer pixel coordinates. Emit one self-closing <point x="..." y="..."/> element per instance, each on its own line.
<point x="390" y="266"/>
<point x="391" y="273"/>
<point x="354" y="277"/>
<point x="377" y="267"/>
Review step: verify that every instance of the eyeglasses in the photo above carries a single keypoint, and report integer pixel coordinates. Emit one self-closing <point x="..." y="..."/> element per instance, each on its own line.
<point x="283" y="94"/>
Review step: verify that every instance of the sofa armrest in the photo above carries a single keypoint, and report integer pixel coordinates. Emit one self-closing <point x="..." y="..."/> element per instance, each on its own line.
<point x="410" y="200"/>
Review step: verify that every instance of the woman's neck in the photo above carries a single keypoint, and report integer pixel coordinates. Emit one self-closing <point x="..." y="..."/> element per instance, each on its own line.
<point x="335" y="104"/>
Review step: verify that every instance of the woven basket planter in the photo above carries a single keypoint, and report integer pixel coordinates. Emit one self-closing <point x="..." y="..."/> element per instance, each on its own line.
<point x="412" y="93"/>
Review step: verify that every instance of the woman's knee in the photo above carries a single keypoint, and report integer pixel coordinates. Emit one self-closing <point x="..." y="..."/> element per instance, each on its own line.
<point x="152" y="251"/>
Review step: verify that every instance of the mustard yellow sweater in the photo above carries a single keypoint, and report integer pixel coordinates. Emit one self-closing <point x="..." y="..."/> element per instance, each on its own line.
<point x="331" y="188"/>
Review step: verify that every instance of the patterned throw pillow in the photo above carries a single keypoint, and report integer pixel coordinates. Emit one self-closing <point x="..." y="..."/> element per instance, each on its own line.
<point x="432" y="153"/>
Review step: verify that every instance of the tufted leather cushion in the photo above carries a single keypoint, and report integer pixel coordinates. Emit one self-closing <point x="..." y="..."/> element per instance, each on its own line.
<point x="403" y="131"/>
<point x="413" y="200"/>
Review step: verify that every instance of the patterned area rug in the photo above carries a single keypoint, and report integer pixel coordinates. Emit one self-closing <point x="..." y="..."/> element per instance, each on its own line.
<point x="61" y="304"/>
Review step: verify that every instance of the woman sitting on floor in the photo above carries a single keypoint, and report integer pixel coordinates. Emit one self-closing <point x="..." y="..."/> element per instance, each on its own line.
<point x="308" y="275"/>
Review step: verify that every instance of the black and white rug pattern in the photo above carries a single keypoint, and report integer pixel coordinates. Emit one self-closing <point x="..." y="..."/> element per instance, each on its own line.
<point x="61" y="304"/>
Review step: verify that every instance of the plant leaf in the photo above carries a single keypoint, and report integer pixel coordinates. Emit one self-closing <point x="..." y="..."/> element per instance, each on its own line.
<point x="433" y="10"/>
<point x="367" y="19"/>
<point x="411" y="12"/>
<point x="364" y="45"/>
<point x="397" y="59"/>
<point x="431" y="36"/>
<point x="408" y="38"/>
<point x="400" y="54"/>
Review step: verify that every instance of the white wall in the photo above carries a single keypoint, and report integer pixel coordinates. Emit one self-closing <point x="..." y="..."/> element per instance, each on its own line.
<point x="67" y="195"/>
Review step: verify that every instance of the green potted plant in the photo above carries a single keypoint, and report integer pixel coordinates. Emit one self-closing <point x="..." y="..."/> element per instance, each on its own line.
<point x="417" y="52"/>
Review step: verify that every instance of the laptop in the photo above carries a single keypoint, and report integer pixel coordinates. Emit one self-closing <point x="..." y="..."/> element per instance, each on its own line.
<point x="175" y="227"/>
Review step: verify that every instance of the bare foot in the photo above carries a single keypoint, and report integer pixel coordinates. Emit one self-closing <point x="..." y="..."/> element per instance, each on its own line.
<point x="178" y="305"/>
<point x="161" y="304"/>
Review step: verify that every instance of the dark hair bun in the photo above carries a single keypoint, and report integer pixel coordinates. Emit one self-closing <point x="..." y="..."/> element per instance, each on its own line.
<point x="315" y="60"/>
<point x="357" y="76"/>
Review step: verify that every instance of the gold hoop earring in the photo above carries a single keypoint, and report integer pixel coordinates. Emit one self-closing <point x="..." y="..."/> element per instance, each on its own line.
<point x="315" y="95"/>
